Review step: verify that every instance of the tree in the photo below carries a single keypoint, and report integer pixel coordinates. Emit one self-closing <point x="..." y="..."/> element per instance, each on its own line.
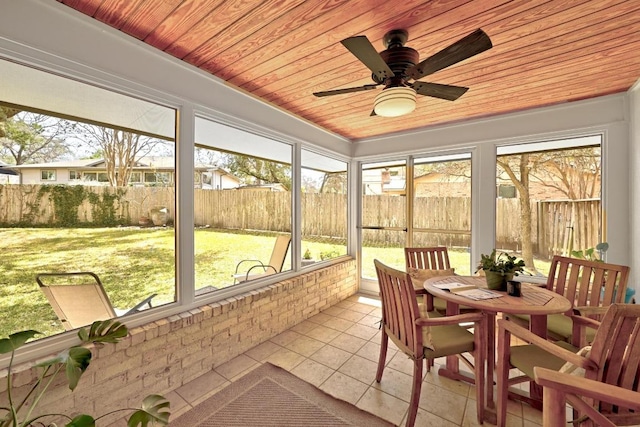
<point x="120" y="149"/>
<point x="27" y="137"/>
<point x="262" y="171"/>
<point x="521" y="182"/>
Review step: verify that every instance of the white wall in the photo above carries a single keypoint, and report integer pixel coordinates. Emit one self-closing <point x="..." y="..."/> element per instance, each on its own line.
<point x="634" y="185"/>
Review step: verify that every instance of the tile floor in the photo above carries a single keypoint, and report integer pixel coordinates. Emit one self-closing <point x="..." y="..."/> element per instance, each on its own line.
<point x="337" y="350"/>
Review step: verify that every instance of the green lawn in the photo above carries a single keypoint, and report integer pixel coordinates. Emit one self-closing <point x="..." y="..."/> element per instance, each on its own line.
<point x="131" y="262"/>
<point x="135" y="262"/>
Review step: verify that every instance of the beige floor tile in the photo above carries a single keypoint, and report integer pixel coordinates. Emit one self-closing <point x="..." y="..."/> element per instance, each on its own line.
<point x="443" y="403"/>
<point x="362" y="308"/>
<point x="178" y="405"/>
<point x="360" y="368"/>
<point x="427" y="419"/>
<point x="383" y="405"/>
<point x="236" y="366"/>
<point x="531" y="414"/>
<point x="349" y="302"/>
<point x="348" y="342"/>
<point x="401" y="362"/>
<point x="372" y="321"/>
<point x="362" y="331"/>
<point x="330" y="356"/>
<point x="320" y="318"/>
<point x="286" y="359"/>
<point x="304" y="327"/>
<point x="333" y="311"/>
<point x="324" y="334"/>
<point x="395" y="383"/>
<point x="312" y="372"/>
<point x="285" y="338"/>
<point x="459" y="387"/>
<point x="344" y="387"/>
<point x="201" y="386"/>
<point x="306" y="346"/>
<point x="352" y="316"/>
<point x="371" y="351"/>
<point x="338" y="324"/>
<point x="263" y="351"/>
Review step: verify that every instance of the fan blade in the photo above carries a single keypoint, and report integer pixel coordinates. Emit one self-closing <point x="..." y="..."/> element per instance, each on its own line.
<point x="345" y="90"/>
<point x="450" y="93"/>
<point x="473" y="44"/>
<point x="361" y="48"/>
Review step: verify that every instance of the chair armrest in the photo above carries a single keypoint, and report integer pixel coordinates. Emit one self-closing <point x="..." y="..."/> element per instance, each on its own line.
<point x="583" y="387"/>
<point x="584" y="321"/>
<point x="589" y="311"/>
<point x="248" y="260"/>
<point x="450" y="320"/>
<point x="528" y="336"/>
<point x="142" y="303"/>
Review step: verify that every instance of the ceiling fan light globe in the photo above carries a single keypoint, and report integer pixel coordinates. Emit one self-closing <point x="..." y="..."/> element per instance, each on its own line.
<point x="395" y="101"/>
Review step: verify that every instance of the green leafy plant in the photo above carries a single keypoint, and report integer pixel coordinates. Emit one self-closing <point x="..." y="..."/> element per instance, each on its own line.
<point x="502" y="263"/>
<point x="592" y="254"/>
<point x="307" y="254"/>
<point x="329" y="254"/>
<point x="73" y="362"/>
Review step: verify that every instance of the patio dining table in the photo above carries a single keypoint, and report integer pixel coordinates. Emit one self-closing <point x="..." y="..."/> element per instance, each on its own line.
<point x="535" y="301"/>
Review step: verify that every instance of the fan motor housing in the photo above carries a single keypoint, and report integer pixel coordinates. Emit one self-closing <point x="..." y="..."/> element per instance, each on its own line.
<point x="398" y="59"/>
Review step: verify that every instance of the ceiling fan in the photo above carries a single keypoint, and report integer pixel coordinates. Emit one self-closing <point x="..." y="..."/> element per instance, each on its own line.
<point x="398" y="69"/>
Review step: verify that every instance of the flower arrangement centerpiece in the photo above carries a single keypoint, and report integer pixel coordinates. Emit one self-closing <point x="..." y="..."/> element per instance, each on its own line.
<point x="499" y="268"/>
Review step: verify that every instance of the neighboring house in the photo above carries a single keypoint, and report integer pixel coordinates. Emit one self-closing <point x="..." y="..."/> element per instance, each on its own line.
<point x="148" y="171"/>
<point x="264" y="187"/>
<point x="7" y="174"/>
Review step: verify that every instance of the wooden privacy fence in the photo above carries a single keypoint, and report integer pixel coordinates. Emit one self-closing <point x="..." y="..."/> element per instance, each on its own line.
<point x="440" y="220"/>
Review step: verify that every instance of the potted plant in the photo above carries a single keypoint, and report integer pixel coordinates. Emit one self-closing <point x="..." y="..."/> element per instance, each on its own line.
<point x="19" y="412"/>
<point x="499" y="268"/>
<point x="306" y="258"/>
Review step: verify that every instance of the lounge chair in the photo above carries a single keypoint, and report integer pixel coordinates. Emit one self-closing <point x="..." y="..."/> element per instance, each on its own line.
<point x="256" y="268"/>
<point x="79" y="299"/>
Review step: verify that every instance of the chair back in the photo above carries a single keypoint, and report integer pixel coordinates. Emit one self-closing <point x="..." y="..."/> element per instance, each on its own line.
<point x="433" y="258"/>
<point x="279" y="253"/>
<point x="588" y="283"/>
<point x="399" y="310"/>
<point x="616" y="352"/>
<point x="78" y="299"/>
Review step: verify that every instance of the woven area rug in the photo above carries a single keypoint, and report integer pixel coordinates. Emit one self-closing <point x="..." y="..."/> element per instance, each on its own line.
<point x="271" y="396"/>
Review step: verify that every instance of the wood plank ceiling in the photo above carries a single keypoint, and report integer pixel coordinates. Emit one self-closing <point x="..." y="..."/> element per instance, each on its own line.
<point x="544" y="52"/>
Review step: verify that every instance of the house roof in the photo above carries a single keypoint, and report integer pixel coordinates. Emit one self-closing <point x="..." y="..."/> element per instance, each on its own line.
<point x="544" y="52"/>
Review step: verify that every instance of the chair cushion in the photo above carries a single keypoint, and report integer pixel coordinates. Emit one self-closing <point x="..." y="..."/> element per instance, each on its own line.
<point x="427" y="340"/>
<point x="425" y="273"/>
<point x="447" y="340"/>
<point x="559" y="326"/>
<point x="525" y="357"/>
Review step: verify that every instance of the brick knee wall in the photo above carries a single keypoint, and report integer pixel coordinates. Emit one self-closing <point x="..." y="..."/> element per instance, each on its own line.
<point x="165" y="354"/>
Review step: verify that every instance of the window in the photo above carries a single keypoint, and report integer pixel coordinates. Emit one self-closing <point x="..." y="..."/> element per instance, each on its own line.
<point x="48" y="175"/>
<point x="158" y="178"/>
<point x="420" y="202"/>
<point x="442" y="206"/>
<point x="324" y="208"/>
<point x="135" y="177"/>
<point x="243" y="225"/>
<point x="561" y="194"/>
<point x="384" y="216"/>
<point x="506" y="191"/>
<point x="81" y="228"/>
